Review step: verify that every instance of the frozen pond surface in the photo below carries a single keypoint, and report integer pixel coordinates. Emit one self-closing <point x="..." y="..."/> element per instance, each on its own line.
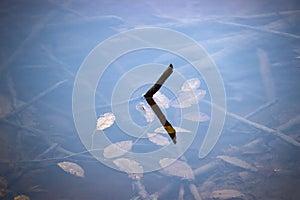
<point x="254" y="45"/>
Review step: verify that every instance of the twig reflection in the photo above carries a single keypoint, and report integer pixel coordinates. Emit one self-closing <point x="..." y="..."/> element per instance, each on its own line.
<point x="166" y="124"/>
<point x="148" y="96"/>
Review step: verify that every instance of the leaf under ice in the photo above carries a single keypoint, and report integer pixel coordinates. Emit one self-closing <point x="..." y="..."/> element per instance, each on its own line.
<point x="105" y="121"/>
<point x="196" y="116"/>
<point x="117" y="149"/>
<point x="71" y="168"/>
<point x="174" y="167"/>
<point x="129" y="166"/>
<point x="21" y="197"/>
<point x="227" y="194"/>
<point x="189" y="94"/>
<point x="146" y="111"/>
<point x="158" y="139"/>
<point x="161" y="100"/>
<point x="190" y="84"/>
<point x="187" y="98"/>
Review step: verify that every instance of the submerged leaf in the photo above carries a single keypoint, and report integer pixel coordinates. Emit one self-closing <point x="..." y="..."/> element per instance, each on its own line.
<point x="117" y="149"/>
<point x="177" y="129"/>
<point x="226" y="194"/>
<point x="21" y="197"/>
<point x="129" y="166"/>
<point x="187" y="98"/>
<point x="3" y="183"/>
<point x="196" y="116"/>
<point x="71" y="168"/>
<point x="105" y="121"/>
<point x="146" y="111"/>
<point x="177" y="168"/>
<point x="158" y="139"/>
<point x="161" y="100"/>
<point x="190" y="84"/>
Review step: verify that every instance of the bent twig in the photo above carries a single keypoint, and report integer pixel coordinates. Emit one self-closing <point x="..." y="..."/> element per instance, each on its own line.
<point x="166" y="124"/>
<point x="148" y="96"/>
<point x="159" y="82"/>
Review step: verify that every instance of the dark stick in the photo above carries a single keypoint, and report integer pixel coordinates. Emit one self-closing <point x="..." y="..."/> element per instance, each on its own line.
<point x="159" y="82"/>
<point x="168" y="127"/>
<point x="148" y="96"/>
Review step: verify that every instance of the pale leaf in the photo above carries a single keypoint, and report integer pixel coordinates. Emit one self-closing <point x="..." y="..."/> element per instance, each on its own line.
<point x="174" y="167"/>
<point x="227" y="194"/>
<point x="196" y="116"/>
<point x="117" y="149"/>
<point x="71" y="168"/>
<point x="128" y="166"/>
<point x="190" y="84"/>
<point x="161" y="100"/>
<point x="158" y="139"/>
<point x="105" y="121"/>
<point x="187" y="98"/>
<point x="146" y="111"/>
